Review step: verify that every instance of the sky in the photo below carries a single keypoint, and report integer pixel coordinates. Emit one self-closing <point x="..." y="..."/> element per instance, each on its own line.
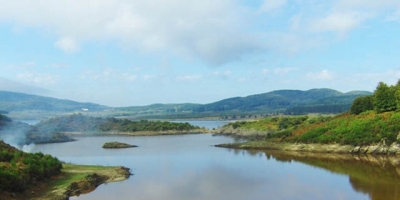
<point x="141" y="52"/>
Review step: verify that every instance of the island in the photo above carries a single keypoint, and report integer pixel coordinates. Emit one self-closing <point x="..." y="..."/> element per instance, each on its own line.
<point x="117" y="145"/>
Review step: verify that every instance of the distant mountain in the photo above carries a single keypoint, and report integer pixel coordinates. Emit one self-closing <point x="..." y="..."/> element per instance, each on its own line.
<point x="13" y="101"/>
<point x="279" y="101"/>
<point x="282" y="101"/>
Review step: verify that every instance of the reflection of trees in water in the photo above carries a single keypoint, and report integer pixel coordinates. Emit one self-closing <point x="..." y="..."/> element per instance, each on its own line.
<point x="377" y="176"/>
<point x="377" y="190"/>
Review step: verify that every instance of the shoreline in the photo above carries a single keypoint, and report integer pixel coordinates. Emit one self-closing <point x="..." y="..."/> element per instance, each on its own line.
<point x="74" y="180"/>
<point x="373" y="149"/>
<point x="139" y="133"/>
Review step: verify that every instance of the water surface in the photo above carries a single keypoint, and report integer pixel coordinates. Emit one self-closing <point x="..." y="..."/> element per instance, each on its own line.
<point x="189" y="167"/>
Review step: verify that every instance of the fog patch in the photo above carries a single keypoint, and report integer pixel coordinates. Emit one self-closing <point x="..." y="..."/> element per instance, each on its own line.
<point x="14" y="134"/>
<point x="28" y="148"/>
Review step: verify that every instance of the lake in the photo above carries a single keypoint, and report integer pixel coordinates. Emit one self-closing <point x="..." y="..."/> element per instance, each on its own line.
<point x="189" y="167"/>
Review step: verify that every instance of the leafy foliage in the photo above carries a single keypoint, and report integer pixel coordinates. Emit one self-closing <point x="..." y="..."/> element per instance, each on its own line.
<point x="79" y="122"/>
<point x="366" y="128"/>
<point x="384" y="98"/>
<point x="362" y="104"/>
<point x="18" y="169"/>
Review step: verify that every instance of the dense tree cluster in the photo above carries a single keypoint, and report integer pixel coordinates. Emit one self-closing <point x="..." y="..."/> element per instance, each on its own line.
<point x="81" y="123"/>
<point x="384" y="99"/>
<point x="19" y="169"/>
<point x="125" y="125"/>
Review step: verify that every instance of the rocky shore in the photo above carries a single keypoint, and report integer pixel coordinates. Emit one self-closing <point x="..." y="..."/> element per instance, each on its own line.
<point x="379" y="149"/>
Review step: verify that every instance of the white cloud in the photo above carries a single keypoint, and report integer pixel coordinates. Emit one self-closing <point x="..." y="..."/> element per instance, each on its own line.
<point x="222" y="74"/>
<point x="340" y="22"/>
<point x="213" y="31"/>
<point x="37" y="79"/>
<point x="57" y="65"/>
<point x="189" y="78"/>
<point x="24" y="65"/>
<point x="242" y="79"/>
<point x="269" y="5"/>
<point x="323" y="75"/>
<point x="265" y="71"/>
<point x="129" y="77"/>
<point x="68" y="45"/>
<point x="147" y="77"/>
<point x="284" y="70"/>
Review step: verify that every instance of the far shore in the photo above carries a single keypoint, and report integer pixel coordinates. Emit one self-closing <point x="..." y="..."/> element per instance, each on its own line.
<point x="139" y="133"/>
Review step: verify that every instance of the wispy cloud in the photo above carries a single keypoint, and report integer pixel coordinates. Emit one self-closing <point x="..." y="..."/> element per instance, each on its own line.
<point x="284" y="70"/>
<point x="189" y="78"/>
<point x="38" y="79"/>
<point x="15" y="86"/>
<point x="340" y="22"/>
<point x="68" y="45"/>
<point x="269" y="5"/>
<point x="24" y="65"/>
<point x="222" y="74"/>
<point x="323" y="75"/>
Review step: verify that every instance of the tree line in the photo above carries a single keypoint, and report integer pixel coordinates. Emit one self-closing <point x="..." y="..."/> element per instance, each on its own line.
<point x="384" y="99"/>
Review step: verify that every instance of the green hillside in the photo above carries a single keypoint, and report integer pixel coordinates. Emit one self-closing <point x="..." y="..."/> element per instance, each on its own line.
<point x="280" y="101"/>
<point x="18" y="170"/>
<point x="13" y="101"/>
<point x="292" y="102"/>
<point x="371" y="119"/>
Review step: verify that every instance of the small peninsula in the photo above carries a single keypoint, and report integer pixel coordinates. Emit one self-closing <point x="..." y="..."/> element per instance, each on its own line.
<point x="38" y="176"/>
<point x="117" y="145"/>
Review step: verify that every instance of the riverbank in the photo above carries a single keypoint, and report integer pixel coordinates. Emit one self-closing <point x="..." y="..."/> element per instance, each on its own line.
<point x="381" y="148"/>
<point x="73" y="181"/>
<point x="138" y="133"/>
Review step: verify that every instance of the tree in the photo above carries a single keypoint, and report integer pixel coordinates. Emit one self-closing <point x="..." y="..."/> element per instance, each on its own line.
<point x="397" y="94"/>
<point x="384" y="98"/>
<point x="362" y="104"/>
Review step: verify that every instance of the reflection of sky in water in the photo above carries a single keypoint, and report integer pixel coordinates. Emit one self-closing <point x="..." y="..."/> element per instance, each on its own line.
<point x="188" y="167"/>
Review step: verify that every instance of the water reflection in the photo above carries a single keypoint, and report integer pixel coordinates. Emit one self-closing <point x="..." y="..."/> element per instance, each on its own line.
<point x="190" y="167"/>
<point x="377" y="176"/>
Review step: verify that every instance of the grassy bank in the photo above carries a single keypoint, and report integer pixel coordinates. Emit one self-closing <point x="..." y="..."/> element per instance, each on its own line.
<point x="368" y="129"/>
<point x="38" y="176"/>
<point x="81" y="179"/>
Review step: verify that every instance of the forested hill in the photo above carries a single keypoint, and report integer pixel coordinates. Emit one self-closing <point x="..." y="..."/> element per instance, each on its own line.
<point x="13" y="101"/>
<point x="279" y="101"/>
<point x="283" y="101"/>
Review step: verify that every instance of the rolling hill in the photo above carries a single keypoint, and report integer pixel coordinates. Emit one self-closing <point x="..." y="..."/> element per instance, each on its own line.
<point x="279" y="101"/>
<point x="13" y="101"/>
<point x="282" y="101"/>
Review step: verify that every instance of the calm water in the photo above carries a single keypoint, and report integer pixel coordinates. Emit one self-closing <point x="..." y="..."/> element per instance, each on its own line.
<point x="189" y="167"/>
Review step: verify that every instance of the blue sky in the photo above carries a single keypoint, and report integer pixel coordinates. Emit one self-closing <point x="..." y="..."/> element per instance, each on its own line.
<point x="140" y="52"/>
